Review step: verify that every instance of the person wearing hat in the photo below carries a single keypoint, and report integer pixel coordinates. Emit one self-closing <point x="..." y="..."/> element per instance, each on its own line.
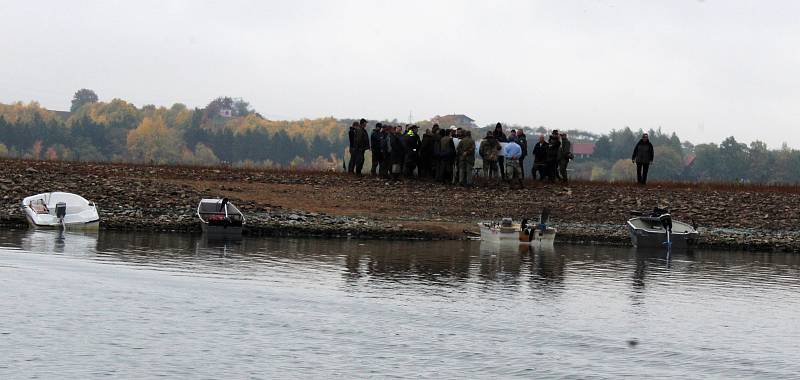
<point x="643" y="155"/>
<point x="501" y="138"/>
<point x="466" y="159"/>
<point x="553" y="147"/>
<point x="412" y="145"/>
<point x="375" y="146"/>
<point x="360" y="146"/>
<point x="489" y="151"/>
<point x="564" y="155"/>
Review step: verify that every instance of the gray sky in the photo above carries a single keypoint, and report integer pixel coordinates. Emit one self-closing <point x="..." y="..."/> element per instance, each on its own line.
<point x="704" y="69"/>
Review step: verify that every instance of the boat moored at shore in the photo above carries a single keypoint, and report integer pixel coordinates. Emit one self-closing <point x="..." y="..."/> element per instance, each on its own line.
<point x="219" y="217"/>
<point x="657" y="229"/>
<point x="60" y="210"/>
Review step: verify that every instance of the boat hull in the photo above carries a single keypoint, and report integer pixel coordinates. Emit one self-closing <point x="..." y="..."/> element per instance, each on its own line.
<point x="514" y="235"/>
<point x="682" y="237"/>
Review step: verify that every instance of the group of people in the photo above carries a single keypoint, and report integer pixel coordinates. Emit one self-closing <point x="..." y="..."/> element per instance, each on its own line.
<point x="448" y="154"/>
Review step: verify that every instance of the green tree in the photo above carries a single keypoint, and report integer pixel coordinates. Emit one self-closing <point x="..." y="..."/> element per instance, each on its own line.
<point x="668" y="164"/>
<point x="153" y="142"/>
<point x="81" y="97"/>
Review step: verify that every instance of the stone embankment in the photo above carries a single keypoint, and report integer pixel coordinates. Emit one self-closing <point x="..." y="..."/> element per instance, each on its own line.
<point x="280" y="203"/>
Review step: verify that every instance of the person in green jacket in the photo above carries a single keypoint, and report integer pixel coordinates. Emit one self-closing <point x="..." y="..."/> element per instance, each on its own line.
<point x="466" y="159"/>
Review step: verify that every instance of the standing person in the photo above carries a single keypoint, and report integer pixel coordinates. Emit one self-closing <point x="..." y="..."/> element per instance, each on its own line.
<point x="489" y="152"/>
<point x="540" y="158"/>
<point x="375" y="146"/>
<point x="466" y="159"/>
<point x="447" y="155"/>
<point x="360" y="145"/>
<point x="412" y="144"/>
<point x="512" y="152"/>
<point x="564" y="155"/>
<point x="501" y="138"/>
<point x="426" y="154"/>
<point x="643" y="155"/>
<point x="386" y="162"/>
<point x="523" y="144"/>
<point x="351" y="136"/>
<point x="396" y="152"/>
<point x="553" y="147"/>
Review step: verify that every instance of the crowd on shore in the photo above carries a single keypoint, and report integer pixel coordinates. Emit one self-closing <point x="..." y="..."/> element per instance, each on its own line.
<point x="448" y="155"/>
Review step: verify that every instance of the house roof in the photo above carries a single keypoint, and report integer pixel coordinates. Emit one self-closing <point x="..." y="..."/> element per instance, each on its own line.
<point x="453" y="117"/>
<point x="583" y="148"/>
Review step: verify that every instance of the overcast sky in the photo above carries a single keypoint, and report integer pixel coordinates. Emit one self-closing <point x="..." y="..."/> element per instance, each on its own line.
<point x="704" y="69"/>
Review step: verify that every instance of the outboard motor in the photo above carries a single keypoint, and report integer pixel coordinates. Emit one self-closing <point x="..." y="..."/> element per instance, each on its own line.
<point x="61" y="210"/>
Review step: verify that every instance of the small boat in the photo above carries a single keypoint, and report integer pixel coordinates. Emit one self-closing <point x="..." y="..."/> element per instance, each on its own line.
<point x="58" y="209"/>
<point x="657" y="229"/>
<point x="524" y="232"/>
<point x="220" y="217"/>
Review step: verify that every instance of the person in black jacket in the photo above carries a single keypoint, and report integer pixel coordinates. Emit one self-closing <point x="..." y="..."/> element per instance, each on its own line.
<point x="643" y="155"/>
<point x="351" y="136"/>
<point x="412" y="144"/>
<point x="501" y="138"/>
<point x="375" y="146"/>
<point x="396" y="151"/>
<point x="539" y="159"/>
<point x="553" y="147"/>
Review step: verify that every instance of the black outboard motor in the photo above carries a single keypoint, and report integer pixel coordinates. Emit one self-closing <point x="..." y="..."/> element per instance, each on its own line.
<point x="61" y="210"/>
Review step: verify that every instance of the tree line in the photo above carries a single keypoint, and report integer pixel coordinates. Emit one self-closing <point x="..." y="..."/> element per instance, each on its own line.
<point x="228" y="130"/>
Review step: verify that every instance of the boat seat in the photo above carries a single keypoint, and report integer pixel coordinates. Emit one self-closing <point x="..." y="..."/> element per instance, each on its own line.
<point x="39" y="208"/>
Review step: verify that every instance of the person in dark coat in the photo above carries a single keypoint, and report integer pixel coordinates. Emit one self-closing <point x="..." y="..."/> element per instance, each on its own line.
<point x="396" y="151"/>
<point x="412" y="146"/>
<point x="447" y="156"/>
<point x="351" y="135"/>
<point x="426" y="154"/>
<point x="375" y="146"/>
<point x="643" y="155"/>
<point x="553" y="147"/>
<point x="501" y="138"/>
<point x="539" y="158"/>
<point x="386" y="162"/>
<point x="360" y="146"/>
<point x="523" y="144"/>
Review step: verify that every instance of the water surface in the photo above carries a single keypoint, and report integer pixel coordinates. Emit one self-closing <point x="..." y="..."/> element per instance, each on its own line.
<point x="140" y="305"/>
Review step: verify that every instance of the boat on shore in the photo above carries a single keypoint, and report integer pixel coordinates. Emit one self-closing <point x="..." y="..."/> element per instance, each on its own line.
<point x="524" y="232"/>
<point x="657" y="229"/>
<point x="60" y="210"/>
<point x="219" y="217"/>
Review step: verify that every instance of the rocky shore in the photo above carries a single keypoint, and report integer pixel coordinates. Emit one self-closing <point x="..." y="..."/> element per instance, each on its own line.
<point x="283" y="203"/>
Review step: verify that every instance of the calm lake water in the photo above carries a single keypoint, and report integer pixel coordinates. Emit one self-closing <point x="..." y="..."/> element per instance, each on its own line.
<point x="135" y="305"/>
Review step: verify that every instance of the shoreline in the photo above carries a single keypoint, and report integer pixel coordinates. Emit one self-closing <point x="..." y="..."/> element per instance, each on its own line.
<point x="133" y="197"/>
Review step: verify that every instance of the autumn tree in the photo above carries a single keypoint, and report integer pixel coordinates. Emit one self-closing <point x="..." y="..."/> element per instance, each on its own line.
<point x="81" y="97"/>
<point x="153" y="142"/>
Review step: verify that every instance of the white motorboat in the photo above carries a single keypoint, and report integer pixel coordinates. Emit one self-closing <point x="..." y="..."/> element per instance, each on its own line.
<point x="59" y="209"/>
<point x="219" y="217"/>
<point x="657" y="229"/>
<point x="524" y="232"/>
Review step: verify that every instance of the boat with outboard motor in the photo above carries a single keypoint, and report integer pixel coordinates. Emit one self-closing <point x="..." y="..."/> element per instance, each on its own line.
<point x="60" y="209"/>
<point x="657" y="229"/>
<point x="220" y="217"/>
<point x="524" y="232"/>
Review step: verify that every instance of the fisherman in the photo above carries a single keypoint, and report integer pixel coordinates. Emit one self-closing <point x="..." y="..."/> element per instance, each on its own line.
<point x="412" y="143"/>
<point x="553" y="147"/>
<point x="564" y="155"/>
<point x="512" y="152"/>
<point x="426" y="154"/>
<point x="375" y="146"/>
<point x="351" y="136"/>
<point x="501" y="138"/>
<point x="396" y="152"/>
<point x="540" y="158"/>
<point x="360" y="145"/>
<point x="523" y="144"/>
<point x="466" y="159"/>
<point x="386" y="158"/>
<point x="447" y="155"/>
<point x="643" y="155"/>
<point x="488" y="151"/>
